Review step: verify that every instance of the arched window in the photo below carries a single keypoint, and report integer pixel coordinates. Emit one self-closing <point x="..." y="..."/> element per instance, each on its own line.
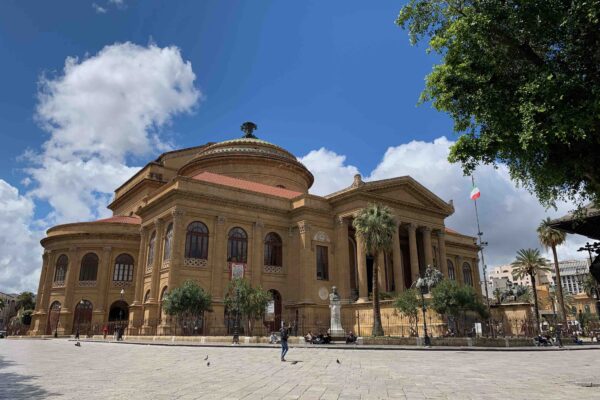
<point x="123" y="268"/>
<point x="196" y="241"/>
<point x="237" y="245"/>
<point x="151" y="246"/>
<point x="451" y="272"/>
<point x="82" y="318"/>
<point x="53" y="316"/>
<point x="146" y="296"/>
<point x="273" y="250"/>
<point x="467" y="276"/>
<point x="89" y="267"/>
<point x="163" y="292"/>
<point x="168" y="242"/>
<point x="60" y="273"/>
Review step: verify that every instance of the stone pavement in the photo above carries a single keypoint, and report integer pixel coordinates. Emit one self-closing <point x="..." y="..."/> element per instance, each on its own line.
<point x="40" y="369"/>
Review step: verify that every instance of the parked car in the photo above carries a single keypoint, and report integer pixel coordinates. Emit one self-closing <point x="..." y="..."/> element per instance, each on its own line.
<point x="2" y="334"/>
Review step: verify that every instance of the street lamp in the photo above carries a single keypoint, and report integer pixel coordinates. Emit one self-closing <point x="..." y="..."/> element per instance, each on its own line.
<point x="56" y="327"/>
<point x="431" y="277"/>
<point x="236" y="321"/>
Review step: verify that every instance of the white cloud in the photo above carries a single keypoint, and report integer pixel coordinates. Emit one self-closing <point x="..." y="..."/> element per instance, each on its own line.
<point x="98" y="112"/>
<point x="20" y="257"/>
<point x="99" y="9"/>
<point x="329" y="171"/>
<point x="509" y="215"/>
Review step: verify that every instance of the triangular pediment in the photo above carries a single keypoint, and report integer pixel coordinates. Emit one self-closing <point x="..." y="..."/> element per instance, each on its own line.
<point x="399" y="191"/>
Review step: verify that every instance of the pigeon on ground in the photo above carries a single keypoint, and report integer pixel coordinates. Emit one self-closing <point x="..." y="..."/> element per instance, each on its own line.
<point x="206" y="358"/>
<point x="337" y="361"/>
<point x="208" y="364"/>
<point x="294" y="362"/>
<point x="78" y="344"/>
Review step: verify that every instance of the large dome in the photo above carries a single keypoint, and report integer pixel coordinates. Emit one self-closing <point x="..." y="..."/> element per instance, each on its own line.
<point x="252" y="159"/>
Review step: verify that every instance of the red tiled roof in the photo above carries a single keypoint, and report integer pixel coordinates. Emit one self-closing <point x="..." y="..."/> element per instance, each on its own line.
<point x="246" y="185"/>
<point x="121" y="219"/>
<point x="451" y="230"/>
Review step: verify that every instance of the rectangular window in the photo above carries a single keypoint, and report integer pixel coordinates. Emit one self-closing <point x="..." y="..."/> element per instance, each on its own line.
<point x="322" y="263"/>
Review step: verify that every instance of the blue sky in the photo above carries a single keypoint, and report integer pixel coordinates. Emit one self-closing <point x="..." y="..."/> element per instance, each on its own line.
<point x="336" y="83"/>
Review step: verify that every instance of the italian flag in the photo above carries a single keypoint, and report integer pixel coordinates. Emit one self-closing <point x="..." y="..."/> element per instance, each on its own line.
<point x="475" y="193"/>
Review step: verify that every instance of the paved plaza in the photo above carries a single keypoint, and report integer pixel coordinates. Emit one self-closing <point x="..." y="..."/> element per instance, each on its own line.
<point x="40" y="369"/>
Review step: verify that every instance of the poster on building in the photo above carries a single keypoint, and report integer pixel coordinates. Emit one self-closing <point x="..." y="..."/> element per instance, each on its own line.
<point x="270" y="311"/>
<point x="236" y="270"/>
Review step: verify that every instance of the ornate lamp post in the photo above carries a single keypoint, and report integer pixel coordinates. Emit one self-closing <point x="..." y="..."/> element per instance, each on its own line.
<point x="57" y="319"/>
<point x="236" y="321"/>
<point x="424" y="284"/>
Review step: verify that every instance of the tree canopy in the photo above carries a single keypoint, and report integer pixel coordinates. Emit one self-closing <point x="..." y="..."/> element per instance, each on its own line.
<point x="25" y="301"/>
<point x="190" y="298"/>
<point x="250" y="302"/>
<point x="521" y="81"/>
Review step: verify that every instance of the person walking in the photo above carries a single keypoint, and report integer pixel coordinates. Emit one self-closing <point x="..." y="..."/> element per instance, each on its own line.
<point x="284" y="341"/>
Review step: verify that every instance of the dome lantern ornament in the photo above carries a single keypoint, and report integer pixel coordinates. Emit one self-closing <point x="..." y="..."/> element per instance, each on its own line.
<point x="248" y="127"/>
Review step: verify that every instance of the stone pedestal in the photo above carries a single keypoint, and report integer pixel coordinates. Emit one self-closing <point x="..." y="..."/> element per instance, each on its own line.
<point x="335" y="306"/>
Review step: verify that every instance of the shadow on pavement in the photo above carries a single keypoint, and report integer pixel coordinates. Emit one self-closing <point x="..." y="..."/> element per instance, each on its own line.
<point x="17" y="386"/>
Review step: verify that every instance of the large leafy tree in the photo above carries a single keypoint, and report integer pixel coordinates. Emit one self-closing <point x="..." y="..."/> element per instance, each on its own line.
<point x="250" y="302"/>
<point x="530" y="263"/>
<point x="450" y="299"/>
<point x="521" y="80"/>
<point x="189" y="299"/>
<point x="26" y="301"/>
<point x="550" y="237"/>
<point x="407" y="302"/>
<point x="376" y="226"/>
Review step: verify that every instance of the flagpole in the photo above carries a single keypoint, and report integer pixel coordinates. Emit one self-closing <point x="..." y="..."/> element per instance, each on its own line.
<point x="481" y="245"/>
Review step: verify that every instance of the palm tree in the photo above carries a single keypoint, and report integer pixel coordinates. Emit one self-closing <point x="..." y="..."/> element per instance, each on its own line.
<point x="530" y="262"/>
<point x="376" y="226"/>
<point x="550" y="237"/>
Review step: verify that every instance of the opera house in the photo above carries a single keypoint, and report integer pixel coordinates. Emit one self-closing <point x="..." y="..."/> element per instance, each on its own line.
<point x="239" y="207"/>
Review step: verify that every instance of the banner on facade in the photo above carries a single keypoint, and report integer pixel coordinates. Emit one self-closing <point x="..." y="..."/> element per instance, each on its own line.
<point x="270" y="311"/>
<point x="236" y="270"/>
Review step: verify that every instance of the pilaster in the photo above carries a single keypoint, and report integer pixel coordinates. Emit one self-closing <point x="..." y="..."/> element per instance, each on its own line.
<point x="397" y="260"/>
<point x="219" y="259"/>
<point x="342" y="271"/>
<point x="258" y="244"/>
<point x="441" y="237"/>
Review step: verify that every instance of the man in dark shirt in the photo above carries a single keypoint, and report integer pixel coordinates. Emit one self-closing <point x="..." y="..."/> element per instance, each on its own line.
<point x="284" y="341"/>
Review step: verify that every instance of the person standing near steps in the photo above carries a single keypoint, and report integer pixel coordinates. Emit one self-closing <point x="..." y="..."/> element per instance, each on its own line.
<point x="284" y="341"/>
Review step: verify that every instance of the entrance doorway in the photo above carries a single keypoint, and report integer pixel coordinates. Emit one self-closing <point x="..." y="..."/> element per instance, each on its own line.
<point x="53" y="315"/>
<point x="118" y="315"/>
<point x="82" y="319"/>
<point x="274" y="324"/>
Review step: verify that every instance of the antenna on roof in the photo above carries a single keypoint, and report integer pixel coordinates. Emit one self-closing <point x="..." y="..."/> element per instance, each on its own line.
<point x="248" y="127"/>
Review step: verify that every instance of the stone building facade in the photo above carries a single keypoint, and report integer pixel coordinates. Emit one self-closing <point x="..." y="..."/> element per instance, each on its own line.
<point x="241" y="204"/>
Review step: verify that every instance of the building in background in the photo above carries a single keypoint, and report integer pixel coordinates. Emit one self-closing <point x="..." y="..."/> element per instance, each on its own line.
<point x="9" y="310"/>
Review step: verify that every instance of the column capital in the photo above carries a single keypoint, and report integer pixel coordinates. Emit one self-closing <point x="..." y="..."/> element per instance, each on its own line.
<point x="159" y="223"/>
<point x="107" y="249"/>
<point x="303" y="227"/>
<point x="221" y="220"/>
<point x="425" y="228"/>
<point x="440" y="232"/>
<point x="411" y="226"/>
<point x="340" y="221"/>
<point x="73" y="249"/>
<point x="177" y="213"/>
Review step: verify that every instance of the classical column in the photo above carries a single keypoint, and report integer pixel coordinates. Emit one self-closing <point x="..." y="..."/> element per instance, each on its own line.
<point x="426" y="232"/>
<point x="342" y="268"/>
<point x="71" y="281"/>
<point x="397" y="261"/>
<point x="177" y="248"/>
<point x="459" y="269"/>
<point x="414" y="254"/>
<point x="441" y="236"/>
<point x="105" y="278"/>
<point x="476" y="276"/>
<point x="219" y="261"/>
<point x="159" y="224"/>
<point x="256" y="265"/>
<point x="140" y="268"/>
<point x="361" y="256"/>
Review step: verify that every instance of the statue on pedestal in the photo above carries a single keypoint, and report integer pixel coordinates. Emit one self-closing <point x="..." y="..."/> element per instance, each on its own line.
<point x="335" y="329"/>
